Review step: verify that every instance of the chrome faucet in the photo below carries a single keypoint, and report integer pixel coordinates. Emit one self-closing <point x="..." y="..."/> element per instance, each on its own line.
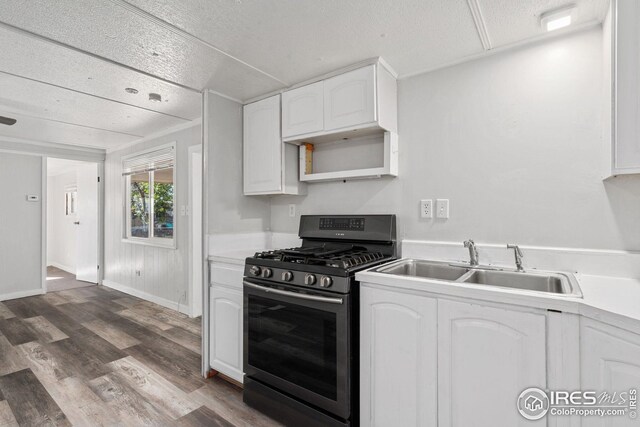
<point x="518" y="254"/>
<point x="473" y="252"/>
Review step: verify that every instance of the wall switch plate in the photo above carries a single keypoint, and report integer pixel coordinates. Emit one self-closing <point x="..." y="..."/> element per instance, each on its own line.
<point x="426" y="208"/>
<point x="442" y="208"/>
<point x="292" y="210"/>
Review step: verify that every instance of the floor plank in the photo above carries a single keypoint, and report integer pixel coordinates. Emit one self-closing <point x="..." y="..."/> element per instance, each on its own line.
<point x="184" y="338"/>
<point x="42" y="362"/>
<point x="226" y="400"/>
<point x="16" y="331"/>
<point x="29" y="401"/>
<point x="165" y="396"/>
<point x="5" y="313"/>
<point x="111" y="334"/>
<point x="6" y="415"/>
<point x="44" y="330"/>
<point x="10" y="359"/>
<point x="80" y="404"/>
<point x="96" y="346"/>
<point x="131" y="407"/>
<point x="203" y="416"/>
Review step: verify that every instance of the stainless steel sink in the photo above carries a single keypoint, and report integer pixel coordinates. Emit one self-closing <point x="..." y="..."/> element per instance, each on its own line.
<point x="558" y="283"/>
<point x="555" y="283"/>
<point x="427" y="269"/>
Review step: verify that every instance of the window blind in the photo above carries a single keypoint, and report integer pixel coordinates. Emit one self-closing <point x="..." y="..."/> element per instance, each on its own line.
<point x="163" y="158"/>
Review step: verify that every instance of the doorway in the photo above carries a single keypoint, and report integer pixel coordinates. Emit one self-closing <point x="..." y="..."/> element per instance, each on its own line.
<point x="72" y="216"/>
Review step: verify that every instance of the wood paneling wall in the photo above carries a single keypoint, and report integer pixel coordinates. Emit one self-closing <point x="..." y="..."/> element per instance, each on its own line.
<point x="164" y="275"/>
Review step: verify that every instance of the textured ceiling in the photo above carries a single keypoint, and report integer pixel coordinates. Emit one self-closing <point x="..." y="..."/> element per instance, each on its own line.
<point x="65" y="64"/>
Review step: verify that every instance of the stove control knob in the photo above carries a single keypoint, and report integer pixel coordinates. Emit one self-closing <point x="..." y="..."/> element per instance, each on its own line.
<point x="326" y="282"/>
<point x="310" y="279"/>
<point x="255" y="270"/>
<point x="287" y="276"/>
<point x="266" y="273"/>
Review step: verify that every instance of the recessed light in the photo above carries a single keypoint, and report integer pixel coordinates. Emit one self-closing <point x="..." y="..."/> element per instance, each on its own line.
<point x="155" y="97"/>
<point x="131" y="90"/>
<point x="557" y="18"/>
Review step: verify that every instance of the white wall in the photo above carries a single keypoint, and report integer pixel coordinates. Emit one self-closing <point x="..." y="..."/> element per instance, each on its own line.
<point x="229" y="210"/>
<point x="20" y="225"/>
<point x="514" y="140"/>
<point x="164" y="277"/>
<point x="61" y="232"/>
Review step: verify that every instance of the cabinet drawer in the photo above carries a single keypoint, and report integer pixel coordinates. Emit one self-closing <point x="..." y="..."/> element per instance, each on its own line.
<point x="226" y="275"/>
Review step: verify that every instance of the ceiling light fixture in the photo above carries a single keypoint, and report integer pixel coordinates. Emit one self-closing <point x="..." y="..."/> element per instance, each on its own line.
<point x="557" y="18"/>
<point x="155" y="97"/>
<point x="7" y="121"/>
<point x="131" y="90"/>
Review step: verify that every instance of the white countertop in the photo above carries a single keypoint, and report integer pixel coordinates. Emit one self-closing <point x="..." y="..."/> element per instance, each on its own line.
<point x="612" y="300"/>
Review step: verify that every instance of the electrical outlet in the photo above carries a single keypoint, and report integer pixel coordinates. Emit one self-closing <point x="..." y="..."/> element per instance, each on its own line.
<point x="426" y="208"/>
<point x="292" y="210"/>
<point x="442" y="208"/>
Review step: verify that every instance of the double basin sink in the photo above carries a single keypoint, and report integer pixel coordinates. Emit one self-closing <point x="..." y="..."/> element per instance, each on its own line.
<point x="557" y="283"/>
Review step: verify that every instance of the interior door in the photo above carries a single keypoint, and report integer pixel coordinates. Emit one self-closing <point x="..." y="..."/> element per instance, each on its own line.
<point x="87" y="223"/>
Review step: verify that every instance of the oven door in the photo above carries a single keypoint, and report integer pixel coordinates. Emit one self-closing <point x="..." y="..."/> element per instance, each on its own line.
<point x="299" y="342"/>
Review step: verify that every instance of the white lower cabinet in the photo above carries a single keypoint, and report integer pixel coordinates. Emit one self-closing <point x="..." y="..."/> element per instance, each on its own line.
<point x="610" y="362"/>
<point x="430" y="362"/>
<point x="398" y="359"/>
<point x="226" y="320"/>
<point x="486" y="357"/>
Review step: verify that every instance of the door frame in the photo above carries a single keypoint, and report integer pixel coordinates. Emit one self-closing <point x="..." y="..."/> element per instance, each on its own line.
<point x="101" y="201"/>
<point x="193" y="239"/>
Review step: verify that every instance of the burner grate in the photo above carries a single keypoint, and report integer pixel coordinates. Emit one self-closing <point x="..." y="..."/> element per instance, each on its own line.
<point x="343" y="257"/>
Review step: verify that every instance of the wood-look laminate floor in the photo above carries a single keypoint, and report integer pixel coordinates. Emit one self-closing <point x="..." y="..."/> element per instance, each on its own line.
<point x="60" y="280"/>
<point x="97" y="357"/>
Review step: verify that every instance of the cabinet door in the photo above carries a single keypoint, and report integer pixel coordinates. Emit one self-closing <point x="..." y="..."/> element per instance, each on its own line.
<point x="226" y="331"/>
<point x="627" y="84"/>
<point x="349" y="99"/>
<point x="486" y="358"/>
<point x="302" y="110"/>
<point x="262" y="151"/>
<point x="398" y="369"/>
<point x="611" y="363"/>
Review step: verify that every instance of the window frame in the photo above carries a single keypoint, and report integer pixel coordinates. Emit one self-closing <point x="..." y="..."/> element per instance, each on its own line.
<point x="162" y="242"/>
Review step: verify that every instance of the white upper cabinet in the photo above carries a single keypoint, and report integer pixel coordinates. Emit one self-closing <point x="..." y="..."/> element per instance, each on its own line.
<point x="622" y="37"/>
<point x="302" y="110"/>
<point x="361" y="100"/>
<point x="270" y="167"/>
<point x="350" y="99"/>
<point x="486" y="358"/>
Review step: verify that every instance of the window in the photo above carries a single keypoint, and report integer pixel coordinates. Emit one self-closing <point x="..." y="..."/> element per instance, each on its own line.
<point x="70" y="201"/>
<point x="149" y="180"/>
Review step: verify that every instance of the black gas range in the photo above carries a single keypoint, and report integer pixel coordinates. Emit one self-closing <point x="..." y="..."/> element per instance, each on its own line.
<point x="301" y="319"/>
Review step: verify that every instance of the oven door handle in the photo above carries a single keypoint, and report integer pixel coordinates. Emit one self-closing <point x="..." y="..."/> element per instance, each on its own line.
<point x="294" y="294"/>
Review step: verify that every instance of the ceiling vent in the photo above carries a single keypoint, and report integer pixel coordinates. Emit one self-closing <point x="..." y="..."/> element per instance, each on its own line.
<point x="7" y="121"/>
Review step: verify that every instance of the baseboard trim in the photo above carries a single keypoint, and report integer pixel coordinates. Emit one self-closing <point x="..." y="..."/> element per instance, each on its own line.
<point x="184" y="309"/>
<point x="22" y="294"/>
<point x="66" y="268"/>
